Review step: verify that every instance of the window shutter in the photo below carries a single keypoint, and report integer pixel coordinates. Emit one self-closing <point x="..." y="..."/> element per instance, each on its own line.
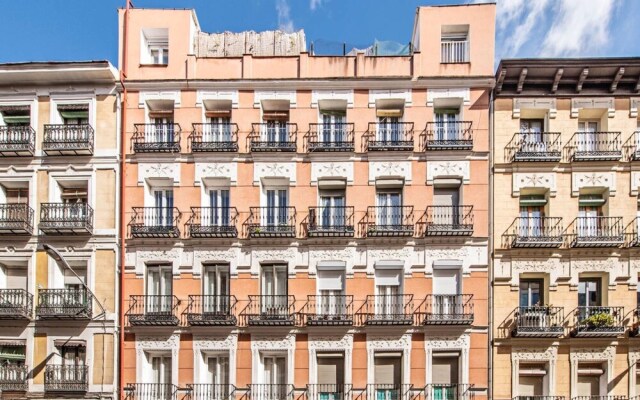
<point x="445" y="370"/>
<point x="445" y="197"/>
<point x="387" y="370"/>
<point x="330" y="280"/>
<point x="388" y="277"/>
<point x="530" y="386"/>
<point x="329" y="370"/>
<point x="446" y="281"/>
<point x="16" y="278"/>
<point x="588" y="385"/>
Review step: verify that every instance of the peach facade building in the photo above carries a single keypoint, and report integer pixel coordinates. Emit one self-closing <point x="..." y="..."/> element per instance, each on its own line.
<point x="306" y="225"/>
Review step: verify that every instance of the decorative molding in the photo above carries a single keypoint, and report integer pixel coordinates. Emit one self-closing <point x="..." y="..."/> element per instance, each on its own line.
<point x="612" y="265"/>
<point x="378" y="169"/>
<point x="261" y="342"/>
<point x="333" y="169"/>
<point x="581" y="180"/>
<point x="534" y="180"/>
<point x="534" y="353"/>
<point x="448" y="169"/>
<point x="226" y="255"/>
<point x="593" y="354"/>
<point x="286" y="170"/>
<point x="448" y="343"/>
<point x="388" y="343"/>
<point x="208" y="343"/>
<point x="174" y="95"/>
<point x="633" y="107"/>
<point x="317" y="95"/>
<point x="375" y="95"/>
<point x="142" y="257"/>
<point x="203" y="95"/>
<point x="147" y="343"/>
<point x="635" y="182"/>
<point x="203" y="171"/>
<point x="461" y="93"/>
<point x="607" y="103"/>
<point x="534" y="104"/>
<point x="330" y="342"/>
<point x="260" y="95"/>
<point x="273" y="254"/>
<point x="159" y="171"/>
<point x="347" y="254"/>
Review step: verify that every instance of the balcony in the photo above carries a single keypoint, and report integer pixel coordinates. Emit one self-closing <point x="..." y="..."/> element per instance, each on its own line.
<point x="214" y="138"/>
<point x="325" y="310"/>
<point x="600" y="398"/>
<point x="269" y="137"/>
<point x="390" y="136"/>
<point x="392" y="309"/>
<point x="270" y="310"/>
<point x="13" y="378"/>
<point x="535" y="147"/>
<point x="538" y="321"/>
<point x="272" y="391"/>
<point x="66" y="378"/>
<point x="156" y="138"/>
<point x="68" y="140"/>
<point x="211" y="310"/>
<point x="272" y="222"/>
<point x="15" y="304"/>
<point x="387" y="221"/>
<point x="16" y="219"/>
<point x="17" y="141"/>
<point x="213" y="222"/>
<point x="73" y="304"/>
<point x="328" y="137"/>
<point x="449" y="391"/>
<point x="527" y="232"/>
<point x="449" y="221"/>
<point x="538" y="398"/>
<point x="155" y="222"/>
<point x="210" y="392"/>
<point x="454" y="51"/>
<point x="596" y="146"/>
<point x="597" y="232"/>
<point x="328" y="392"/>
<point x="598" y="321"/>
<point x="456" y="135"/>
<point x="633" y="147"/>
<point x="153" y="310"/>
<point x="444" y="309"/>
<point x="66" y="219"/>
<point x="330" y="222"/>
<point x="389" y="391"/>
<point x="633" y="235"/>
<point x="151" y="391"/>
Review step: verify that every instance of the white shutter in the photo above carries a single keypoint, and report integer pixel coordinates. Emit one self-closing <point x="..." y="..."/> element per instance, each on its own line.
<point x="330" y="280"/>
<point x="16" y="278"/>
<point x="530" y="386"/>
<point x="445" y="370"/>
<point x="388" y="277"/>
<point x="446" y="281"/>
<point x="329" y="370"/>
<point x="588" y="385"/>
<point x="387" y="370"/>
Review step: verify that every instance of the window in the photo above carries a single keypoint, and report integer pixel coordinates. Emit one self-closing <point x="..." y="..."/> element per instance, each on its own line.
<point x="445" y="376"/>
<point x="447" y="127"/>
<point x="589" y="293"/>
<point x="331" y="300"/>
<point x="15" y="116"/>
<point x="532" y="215"/>
<point x="531" y="380"/>
<point x="387" y="375"/>
<point x="155" y="49"/>
<point x="275" y="375"/>
<point x="589" y="215"/>
<point x="446" y="200"/>
<point x="589" y="377"/>
<point x="218" y="127"/>
<point x="16" y="195"/>
<point x="162" y="212"/>
<point x="16" y="278"/>
<point x="588" y="139"/>
<point x="332" y="208"/>
<point x="454" y="45"/>
<point x="161" y="369"/>
<point x="75" y="290"/>
<point x="531" y="293"/>
<point x="389" y="204"/>
<point x="333" y="129"/>
<point x="330" y="376"/>
<point x="161" y="128"/>
<point x="218" y="213"/>
<point x="275" y="290"/>
<point x="159" y="289"/>
<point x="73" y="357"/>
<point x="531" y="136"/>
<point x="446" y="288"/>
<point x="277" y="207"/>
<point x="218" y="374"/>
<point x="275" y="128"/>
<point x="389" y="130"/>
<point x="74" y="114"/>
<point x="389" y="303"/>
<point x="12" y="354"/>
<point x="216" y="289"/>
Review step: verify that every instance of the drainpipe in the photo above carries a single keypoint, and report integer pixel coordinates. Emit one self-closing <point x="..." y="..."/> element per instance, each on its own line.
<point x="490" y="253"/>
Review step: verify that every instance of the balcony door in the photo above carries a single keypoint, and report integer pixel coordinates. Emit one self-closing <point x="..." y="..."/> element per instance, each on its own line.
<point x="275" y="377"/>
<point x="218" y="375"/>
<point x="216" y="290"/>
<point x="332" y="209"/>
<point x="275" y="129"/>
<point x="333" y="127"/>
<point x="445" y="376"/>
<point x="387" y="376"/>
<point x="447" y="124"/>
<point x="75" y="293"/>
<point x="588" y="140"/>
<point x="389" y="130"/>
<point x="162" y="214"/>
<point x="389" y="209"/>
<point x="161" y="129"/>
<point x="531" y="381"/>
<point x="75" y="200"/>
<point x="217" y="130"/>
<point x="589" y="221"/>
<point x="73" y="361"/>
<point x="447" y="202"/>
<point x="277" y="208"/>
<point x="330" y="376"/>
<point x="218" y="212"/>
<point x="589" y="293"/>
<point x="446" y="290"/>
<point x="589" y="377"/>
<point x="532" y="216"/>
<point x="531" y="136"/>
<point x="331" y="301"/>
<point x="389" y="303"/>
<point x="159" y="289"/>
<point x="274" y="290"/>
<point x="161" y="371"/>
<point x="532" y="312"/>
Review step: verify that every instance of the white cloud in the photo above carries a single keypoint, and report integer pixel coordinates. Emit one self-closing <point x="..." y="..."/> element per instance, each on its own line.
<point x="313" y="4"/>
<point x="285" y="23"/>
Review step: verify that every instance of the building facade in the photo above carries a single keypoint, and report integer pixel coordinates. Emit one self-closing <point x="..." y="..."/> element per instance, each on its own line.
<point x="564" y="228"/>
<point x="58" y="174"/>
<point x="303" y="224"/>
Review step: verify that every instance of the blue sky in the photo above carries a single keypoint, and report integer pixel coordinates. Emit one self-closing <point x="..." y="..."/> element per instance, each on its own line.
<point x="87" y="29"/>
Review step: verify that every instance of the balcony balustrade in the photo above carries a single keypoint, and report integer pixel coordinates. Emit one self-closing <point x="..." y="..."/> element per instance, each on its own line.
<point x="68" y="140"/>
<point x="151" y="391"/>
<point x="449" y="391"/>
<point x="447" y="309"/>
<point x="331" y="137"/>
<point x="17" y="141"/>
<point x="14" y="378"/>
<point x="597" y="232"/>
<point x="449" y="221"/>
<point x="535" y="232"/>
<point x="391" y="309"/>
<point x="599" y="398"/>
<point x="272" y="222"/>
<point x="270" y="310"/>
<point x="330" y="222"/>
<point x="155" y="222"/>
<point x="15" y="304"/>
<point x="214" y="137"/>
<point x="538" y="398"/>
<point x="64" y="304"/>
<point x="211" y="310"/>
<point x="450" y="135"/>
<point x="385" y="221"/>
<point x="598" y="321"/>
<point x="329" y="310"/>
<point x="328" y="392"/>
<point x="16" y="219"/>
<point x="596" y="146"/>
<point x="273" y="137"/>
<point x="539" y="321"/>
<point x="213" y="222"/>
<point x="153" y="310"/>
<point x="389" y="391"/>
<point x="391" y="136"/>
<point x="66" y="378"/>
<point x="454" y="51"/>
<point x="535" y="147"/>
<point x="271" y="391"/>
<point x="208" y="391"/>
<point x="66" y="218"/>
<point x="156" y="138"/>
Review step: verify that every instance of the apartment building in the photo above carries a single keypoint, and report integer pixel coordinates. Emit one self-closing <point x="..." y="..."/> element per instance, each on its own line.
<point x="301" y="224"/>
<point x="58" y="174"/>
<point x="565" y="195"/>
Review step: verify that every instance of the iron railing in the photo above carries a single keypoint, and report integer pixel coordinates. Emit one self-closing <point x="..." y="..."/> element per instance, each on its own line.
<point x="331" y="137"/>
<point x="13" y="378"/>
<point x="17" y="140"/>
<point x="449" y="221"/>
<point x="538" y="321"/>
<point x="272" y="310"/>
<point x="155" y="222"/>
<point x="66" y="378"/>
<point x="64" y="304"/>
<point x="271" y="391"/>
<point x="538" y="398"/>
<point x="209" y="391"/>
<point x="449" y="391"/>
<point x="329" y="310"/>
<point x="453" y="135"/>
<point x="390" y="309"/>
<point x="597" y="232"/>
<point x="68" y="139"/>
<point x="536" y="146"/>
<point x="66" y="218"/>
<point x="598" y="321"/>
<point x="328" y="391"/>
<point x="153" y="310"/>
<point x="454" y="51"/>
<point x="331" y="221"/>
<point x="633" y="233"/>
<point x="391" y="136"/>
<point x="447" y="309"/>
<point x="156" y="138"/>
<point x="592" y="146"/>
<point x="273" y="137"/>
<point x="272" y="222"/>
<point x="633" y="147"/>
<point x="599" y="398"/>
<point x="213" y="222"/>
<point x="15" y="304"/>
<point x="535" y="232"/>
<point x="211" y="310"/>
<point x="389" y="391"/>
<point x="214" y="137"/>
<point x="389" y="221"/>
<point x="16" y="219"/>
<point x="151" y="391"/>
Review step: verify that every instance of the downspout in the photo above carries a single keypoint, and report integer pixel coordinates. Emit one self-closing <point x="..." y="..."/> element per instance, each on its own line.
<point x="490" y="254"/>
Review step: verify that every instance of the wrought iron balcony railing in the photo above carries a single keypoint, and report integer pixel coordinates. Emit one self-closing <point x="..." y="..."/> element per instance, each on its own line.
<point x="211" y="310"/>
<point x="331" y="137"/>
<point x="156" y="138"/>
<point x="68" y="140"/>
<point x="213" y="222"/>
<point x="598" y="321"/>
<point x="329" y="310"/>
<point x="320" y="391"/>
<point x="454" y="51"/>
<point x="271" y="391"/>
<point x="391" y="309"/>
<point x="17" y="141"/>
<point x="13" y="378"/>
<point x="633" y="147"/>
<point x="331" y="222"/>
<point x="16" y="219"/>
<point x="268" y="136"/>
<point x="454" y="135"/>
<point x="447" y="309"/>
<point x="538" y="398"/>
<point x="396" y="136"/>
<point x="207" y="391"/>
<point x="599" y="398"/>
<point x="214" y="137"/>
<point x="597" y="232"/>
<point x="389" y="221"/>
<point x="535" y="232"/>
<point x="535" y="146"/>
<point x="155" y="222"/>
<point x="449" y="221"/>
<point x="66" y="218"/>
<point x="269" y="222"/>
<point x="64" y="304"/>
<point x="66" y="378"/>
<point x="270" y="310"/>
<point x="594" y="146"/>
<point x="151" y="391"/>
<point x="153" y="310"/>
<point x="538" y="321"/>
<point x="449" y="391"/>
<point x="389" y="391"/>
<point x="15" y="304"/>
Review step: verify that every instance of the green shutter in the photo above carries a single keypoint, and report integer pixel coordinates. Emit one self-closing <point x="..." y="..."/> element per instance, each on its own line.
<point x="74" y="114"/>
<point x="17" y="119"/>
<point x="586" y="200"/>
<point x="337" y="113"/>
<point x="12" y="353"/>
<point x="533" y="200"/>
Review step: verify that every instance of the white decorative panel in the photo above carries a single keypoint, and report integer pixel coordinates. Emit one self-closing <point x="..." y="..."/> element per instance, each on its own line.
<point x="168" y="171"/>
<point x="607" y="103"/>
<point x="338" y="169"/>
<point x="612" y="265"/>
<point x="173" y="95"/>
<point x="460" y="93"/>
<point x="216" y="170"/>
<point x="229" y="255"/>
<point x="555" y="267"/>
<point x="469" y="256"/>
<point x="406" y="257"/>
<point x="635" y="182"/>
<point x="382" y="169"/>
<point x="533" y="104"/>
<point x="285" y="170"/>
<point x="287" y="255"/>
<point x="260" y="95"/>
<point x="545" y="180"/>
<point x="447" y="169"/>
<point x="375" y="95"/>
<point x="203" y="95"/>
<point x="346" y="254"/>
<point x="172" y="256"/>
<point x="581" y="180"/>
<point x="332" y="95"/>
